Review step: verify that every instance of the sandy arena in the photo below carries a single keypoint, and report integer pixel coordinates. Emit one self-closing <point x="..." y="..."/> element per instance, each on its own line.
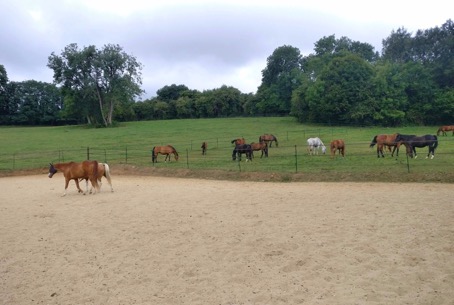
<point x="188" y="241"/>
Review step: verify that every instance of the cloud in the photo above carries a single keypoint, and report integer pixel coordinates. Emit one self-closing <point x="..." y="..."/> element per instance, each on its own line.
<point x="201" y="44"/>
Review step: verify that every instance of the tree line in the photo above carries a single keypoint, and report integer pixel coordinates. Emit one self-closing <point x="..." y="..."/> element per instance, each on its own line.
<point x="341" y="82"/>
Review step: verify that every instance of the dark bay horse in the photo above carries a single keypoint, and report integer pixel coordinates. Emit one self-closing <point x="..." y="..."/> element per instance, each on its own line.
<point x="242" y="149"/>
<point x="444" y="129"/>
<point x="386" y="140"/>
<point x="238" y="141"/>
<point x="263" y="146"/>
<point x="419" y="141"/>
<point x="204" y="148"/>
<point x="269" y="139"/>
<point x="77" y="170"/>
<point x="337" y="145"/>
<point x="103" y="171"/>
<point x="166" y="150"/>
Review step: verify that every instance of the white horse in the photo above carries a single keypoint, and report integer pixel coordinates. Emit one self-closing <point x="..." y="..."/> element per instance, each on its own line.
<point x="314" y="145"/>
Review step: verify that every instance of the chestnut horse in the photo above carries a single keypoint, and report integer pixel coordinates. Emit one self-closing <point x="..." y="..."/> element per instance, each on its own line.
<point x="103" y="171"/>
<point x="444" y="129"/>
<point x="263" y="146"/>
<point x="167" y="150"/>
<point x="77" y="170"/>
<point x="383" y="141"/>
<point x="238" y="141"/>
<point x="269" y="139"/>
<point x="204" y="148"/>
<point x="337" y="145"/>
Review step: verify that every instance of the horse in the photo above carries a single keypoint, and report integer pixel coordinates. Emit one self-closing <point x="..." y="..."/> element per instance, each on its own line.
<point x="263" y="146"/>
<point x="337" y="145"/>
<point x="314" y="145"/>
<point x="444" y="129"/>
<point x="167" y="150"/>
<point x="242" y="149"/>
<point x="386" y="140"/>
<point x="269" y="139"/>
<point x="204" y="148"/>
<point x="419" y="141"/>
<point x="238" y="141"/>
<point x="103" y="171"/>
<point x="76" y="170"/>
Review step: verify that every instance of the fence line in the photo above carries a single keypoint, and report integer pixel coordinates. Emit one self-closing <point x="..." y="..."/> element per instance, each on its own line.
<point x="286" y="158"/>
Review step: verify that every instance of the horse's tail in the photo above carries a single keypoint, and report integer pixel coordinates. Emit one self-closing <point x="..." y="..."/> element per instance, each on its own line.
<point x="435" y="142"/>
<point x="153" y="156"/>
<point x="438" y="131"/>
<point x="95" y="174"/>
<point x="374" y="141"/>
<point x="107" y="173"/>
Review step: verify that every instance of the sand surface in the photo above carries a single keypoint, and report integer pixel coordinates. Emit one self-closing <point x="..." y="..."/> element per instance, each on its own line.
<point x="186" y="241"/>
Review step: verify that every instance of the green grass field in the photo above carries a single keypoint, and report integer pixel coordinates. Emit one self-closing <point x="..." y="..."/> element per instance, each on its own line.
<point x="130" y="143"/>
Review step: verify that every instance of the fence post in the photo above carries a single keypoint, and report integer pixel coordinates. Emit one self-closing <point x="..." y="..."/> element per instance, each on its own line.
<point x="126" y="154"/>
<point x="88" y="153"/>
<point x="187" y="157"/>
<point x="105" y="156"/>
<point x="14" y="161"/>
<point x="296" y="160"/>
<point x="408" y="164"/>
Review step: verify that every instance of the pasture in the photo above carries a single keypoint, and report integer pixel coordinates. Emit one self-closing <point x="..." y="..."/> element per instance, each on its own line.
<point x="130" y="144"/>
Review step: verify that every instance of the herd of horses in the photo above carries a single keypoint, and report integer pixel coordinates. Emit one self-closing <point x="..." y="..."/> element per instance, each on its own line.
<point x="93" y="171"/>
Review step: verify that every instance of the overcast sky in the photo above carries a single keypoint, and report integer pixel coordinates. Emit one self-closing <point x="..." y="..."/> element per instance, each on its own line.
<point x="198" y="43"/>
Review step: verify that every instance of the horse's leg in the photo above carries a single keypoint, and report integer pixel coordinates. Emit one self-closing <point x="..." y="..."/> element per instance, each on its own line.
<point x="78" y="187"/>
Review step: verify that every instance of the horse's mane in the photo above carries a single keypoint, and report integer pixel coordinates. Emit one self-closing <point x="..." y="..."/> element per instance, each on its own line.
<point x="174" y="150"/>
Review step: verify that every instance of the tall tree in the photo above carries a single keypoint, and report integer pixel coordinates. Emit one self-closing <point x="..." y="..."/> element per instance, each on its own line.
<point x="108" y="76"/>
<point x="279" y="78"/>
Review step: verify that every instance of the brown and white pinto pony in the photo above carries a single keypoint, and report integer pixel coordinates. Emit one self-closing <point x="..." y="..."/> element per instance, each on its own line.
<point x="337" y="145"/>
<point x="103" y="171"/>
<point x="75" y="171"/>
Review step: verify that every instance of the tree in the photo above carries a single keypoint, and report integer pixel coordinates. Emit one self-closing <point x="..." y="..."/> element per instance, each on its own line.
<point x="90" y="77"/>
<point x="36" y="103"/>
<point x="4" y="104"/>
<point x="279" y="78"/>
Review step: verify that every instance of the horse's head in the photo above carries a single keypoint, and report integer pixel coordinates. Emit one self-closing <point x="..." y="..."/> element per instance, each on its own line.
<point x="52" y="170"/>
<point x="323" y="149"/>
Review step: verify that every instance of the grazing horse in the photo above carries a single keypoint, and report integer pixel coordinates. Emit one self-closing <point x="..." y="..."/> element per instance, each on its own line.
<point x="263" y="146"/>
<point x="204" y="148"/>
<point x="76" y="170"/>
<point x="386" y="140"/>
<point x="314" y="145"/>
<point x="242" y="149"/>
<point x="444" y="129"/>
<point x="167" y="150"/>
<point x="337" y="145"/>
<point x="103" y="171"/>
<point x="414" y="141"/>
<point x="269" y="139"/>
<point x="238" y="141"/>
